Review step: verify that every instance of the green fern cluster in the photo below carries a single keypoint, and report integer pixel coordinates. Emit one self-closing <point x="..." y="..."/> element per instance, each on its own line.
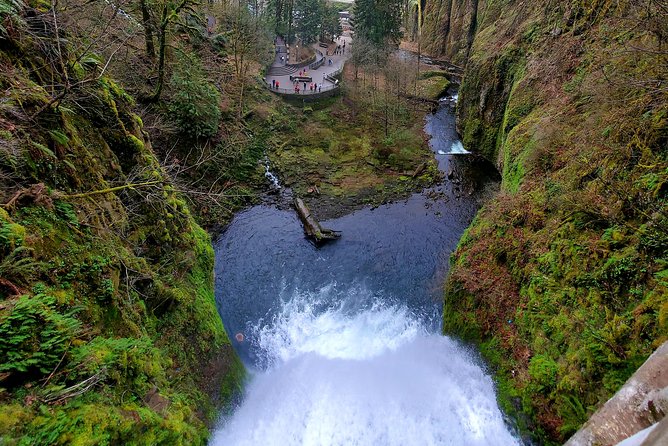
<point x="35" y="334"/>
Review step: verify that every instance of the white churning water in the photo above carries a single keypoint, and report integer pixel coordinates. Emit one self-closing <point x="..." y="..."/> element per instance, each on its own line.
<point x="361" y="372"/>
<point x="458" y="148"/>
<point x="269" y="175"/>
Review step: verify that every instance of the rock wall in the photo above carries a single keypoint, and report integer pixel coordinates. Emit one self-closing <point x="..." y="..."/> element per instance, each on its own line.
<point x="449" y="27"/>
<point x="562" y="278"/>
<point x="109" y="332"/>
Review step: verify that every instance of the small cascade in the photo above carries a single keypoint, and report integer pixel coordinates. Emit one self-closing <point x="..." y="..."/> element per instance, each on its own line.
<point x="457" y="148"/>
<point x="273" y="179"/>
<point x="441" y="126"/>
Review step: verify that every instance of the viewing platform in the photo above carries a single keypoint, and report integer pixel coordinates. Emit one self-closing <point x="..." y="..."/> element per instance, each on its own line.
<point x="313" y="78"/>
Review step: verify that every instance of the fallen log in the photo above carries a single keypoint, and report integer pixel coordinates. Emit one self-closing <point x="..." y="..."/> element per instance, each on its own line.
<point x="312" y="228"/>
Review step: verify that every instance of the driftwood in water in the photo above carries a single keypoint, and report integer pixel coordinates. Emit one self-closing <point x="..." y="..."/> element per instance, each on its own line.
<point x="312" y="228"/>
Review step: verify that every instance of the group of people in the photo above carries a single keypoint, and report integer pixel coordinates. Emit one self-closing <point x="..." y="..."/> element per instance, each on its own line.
<point x="340" y="49"/>
<point x="313" y="87"/>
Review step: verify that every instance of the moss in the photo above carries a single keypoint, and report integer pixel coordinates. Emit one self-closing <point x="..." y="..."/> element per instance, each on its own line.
<point x="114" y="289"/>
<point x="433" y="86"/>
<point x="350" y="165"/>
<point x="13" y="417"/>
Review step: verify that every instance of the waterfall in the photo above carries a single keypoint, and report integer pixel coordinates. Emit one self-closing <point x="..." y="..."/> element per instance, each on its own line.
<point x="349" y="368"/>
<point x="273" y="179"/>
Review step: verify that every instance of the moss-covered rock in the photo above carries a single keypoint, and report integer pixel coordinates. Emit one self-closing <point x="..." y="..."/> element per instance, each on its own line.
<point x="109" y="332"/>
<point x="560" y="278"/>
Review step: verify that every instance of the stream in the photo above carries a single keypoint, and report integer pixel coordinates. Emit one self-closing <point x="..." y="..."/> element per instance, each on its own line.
<point x="343" y="342"/>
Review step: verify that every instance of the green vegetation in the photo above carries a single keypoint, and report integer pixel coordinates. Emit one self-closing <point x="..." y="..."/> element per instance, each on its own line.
<point x="195" y="104"/>
<point x="561" y="278"/>
<point x="109" y="332"/>
<point x="378" y="22"/>
<point x="432" y="85"/>
<point x="338" y="154"/>
<point x="305" y="20"/>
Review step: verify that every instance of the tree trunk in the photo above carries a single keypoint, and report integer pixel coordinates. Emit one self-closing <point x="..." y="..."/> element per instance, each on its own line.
<point x="312" y="228"/>
<point x="161" y="57"/>
<point x="148" y="30"/>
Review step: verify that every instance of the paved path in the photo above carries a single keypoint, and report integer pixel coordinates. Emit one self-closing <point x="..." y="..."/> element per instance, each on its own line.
<point x="282" y="73"/>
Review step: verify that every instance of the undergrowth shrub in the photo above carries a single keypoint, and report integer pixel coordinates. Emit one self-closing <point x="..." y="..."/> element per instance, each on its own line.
<point x="195" y="102"/>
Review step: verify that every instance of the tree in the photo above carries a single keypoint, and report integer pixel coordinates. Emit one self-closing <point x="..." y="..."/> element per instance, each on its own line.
<point x="378" y="20"/>
<point x="170" y="14"/>
<point x="280" y="16"/>
<point x="248" y="42"/>
<point x="309" y="16"/>
<point x="331" y="24"/>
<point x="147" y="23"/>
<point x="195" y="104"/>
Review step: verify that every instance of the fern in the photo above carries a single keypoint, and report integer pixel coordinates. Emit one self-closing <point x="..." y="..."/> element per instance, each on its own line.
<point x="19" y="267"/>
<point x="10" y="9"/>
<point x="34" y="335"/>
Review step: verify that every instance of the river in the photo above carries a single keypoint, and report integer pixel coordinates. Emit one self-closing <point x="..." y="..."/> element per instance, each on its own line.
<point x="343" y="342"/>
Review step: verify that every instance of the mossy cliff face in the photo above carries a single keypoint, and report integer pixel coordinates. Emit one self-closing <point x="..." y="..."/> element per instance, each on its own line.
<point x="108" y="328"/>
<point x="562" y="278"/>
<point x="448" y="28"/>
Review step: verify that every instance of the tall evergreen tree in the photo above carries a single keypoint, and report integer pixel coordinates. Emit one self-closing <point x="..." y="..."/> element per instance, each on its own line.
<point x="331" y="24"/>
<point x="309" y="16"/>
<point x="378" y="21"/>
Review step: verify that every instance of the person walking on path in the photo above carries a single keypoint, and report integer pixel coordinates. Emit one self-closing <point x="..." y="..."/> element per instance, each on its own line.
<point x="276" y="85"/>
<point x="320" y="88"/>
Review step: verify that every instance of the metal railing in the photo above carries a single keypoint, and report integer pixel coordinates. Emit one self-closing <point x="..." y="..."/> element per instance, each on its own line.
<point x="308" y="92"/>
<point x="306" y="63"/>
<point x="319" y="62"/>
<point x="331" y="77"/>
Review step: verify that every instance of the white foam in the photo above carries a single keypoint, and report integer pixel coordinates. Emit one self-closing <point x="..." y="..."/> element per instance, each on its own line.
<point x="273" y="179"/>
<point x="458" y="148"/>
<point x="367" y="374"/>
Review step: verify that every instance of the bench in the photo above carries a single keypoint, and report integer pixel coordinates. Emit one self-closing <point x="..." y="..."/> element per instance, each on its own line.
<point x="323" y="45"/>
<point x="301" y="78"/>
